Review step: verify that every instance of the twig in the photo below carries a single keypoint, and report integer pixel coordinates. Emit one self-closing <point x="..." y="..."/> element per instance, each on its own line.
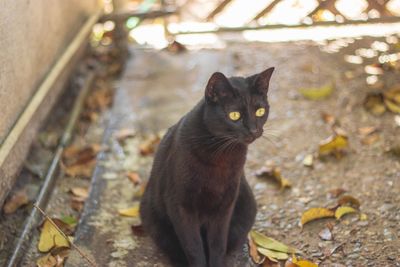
<point x="92" y="263"/>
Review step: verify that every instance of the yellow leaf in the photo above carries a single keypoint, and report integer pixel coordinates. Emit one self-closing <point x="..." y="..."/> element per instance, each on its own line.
<point x="314" y="214"/>
<point x="363" y="217"/>
<point x="303" y="263"/>
<point x="333" y="144"/>
<point x="273" y="172"/>
<point x="341" y="211"/>
<point x="270" y="243"/>
<point x="317" y="93"/>
<point x="130" y="212"/>
<point x="50" y="237"/>
<point x="393" y="107"/>
<point x="273" y="255"/>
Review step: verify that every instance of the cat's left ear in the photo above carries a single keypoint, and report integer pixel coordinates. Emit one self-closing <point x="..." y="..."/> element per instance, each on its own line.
<point x="261" y="80"/>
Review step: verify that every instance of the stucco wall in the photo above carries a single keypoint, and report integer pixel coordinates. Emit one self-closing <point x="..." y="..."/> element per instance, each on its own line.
<point x="33" y="33"/>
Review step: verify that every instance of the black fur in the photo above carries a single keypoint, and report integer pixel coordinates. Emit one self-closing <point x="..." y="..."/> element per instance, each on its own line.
<point x="198" y="206"/>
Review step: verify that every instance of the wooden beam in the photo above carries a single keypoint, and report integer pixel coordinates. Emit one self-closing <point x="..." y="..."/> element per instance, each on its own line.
<point x="124" y="15"/>
<point x="266" y="10"/>
<point x="218" y="9"/>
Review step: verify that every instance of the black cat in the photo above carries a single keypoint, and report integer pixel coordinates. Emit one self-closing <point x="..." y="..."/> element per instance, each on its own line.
<point x="198" y="206"/>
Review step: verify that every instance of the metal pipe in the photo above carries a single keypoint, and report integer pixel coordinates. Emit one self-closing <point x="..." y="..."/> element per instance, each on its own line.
<point x="44" y="193"/>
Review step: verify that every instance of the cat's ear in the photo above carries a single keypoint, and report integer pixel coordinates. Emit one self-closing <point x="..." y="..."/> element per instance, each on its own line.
<point x="261" y="80"/>
<point x="218" y="87"/>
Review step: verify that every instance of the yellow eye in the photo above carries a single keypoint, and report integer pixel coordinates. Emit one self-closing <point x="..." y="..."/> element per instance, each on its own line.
<point x="234" y="115"/>
<point x="260" y="112"/>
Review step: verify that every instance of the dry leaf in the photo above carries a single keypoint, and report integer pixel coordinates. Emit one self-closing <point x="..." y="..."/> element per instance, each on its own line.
<point x="274" y="173"/>
<point x="80" y="170"/>
<point x="341" y="211"/>
<point x="392" y="106"/>
<point x="363" y="217"/>
<point x="149" y="145"/>
<point x="255" y="256"/>
<point x="393" y="94"/>
<point x="17" y="200"/>
<point x="328" y="118"/>
<point x="317" y="93"/>
<point x="124" y="134"/>
<point x="80" y="192"/>
<point x="314" y="214"/>
<point x="374" y="104"/>
<point x="138" y="230"/>
<point x="50" y="237"/>
<point x="349" y="200"/>
<point x="273" y="255"/>
<point x="76" y="205"/>
<point x="269" y="263"/>
<point x="303" y="263"/>
<point x="370" y="139"/>
<point x="100" y="99"/>
<point x="336" y="192"/>
<point x="367" y="130"/>
<point x="47" y="260"/>
<point x="134" y="177"/>
<point x="130" y="212"/>
<point x="262" y="240"/>
<point x="334" y="145"/>
<point x="308" y="161"/>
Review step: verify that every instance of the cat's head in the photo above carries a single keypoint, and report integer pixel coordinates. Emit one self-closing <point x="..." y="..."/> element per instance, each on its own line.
<point x="237" y="107"/>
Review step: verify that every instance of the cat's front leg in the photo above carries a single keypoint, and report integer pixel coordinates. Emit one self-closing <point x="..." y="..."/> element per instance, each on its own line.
<point x="187" y="228"/>
<point x="217" y="238"/>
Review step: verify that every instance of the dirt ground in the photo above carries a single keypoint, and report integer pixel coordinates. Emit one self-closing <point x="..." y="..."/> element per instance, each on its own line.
<point x="158" y="87"/>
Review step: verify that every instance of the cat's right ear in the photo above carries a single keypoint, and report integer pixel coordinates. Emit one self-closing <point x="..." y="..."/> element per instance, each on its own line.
<point x="218" y="87"/>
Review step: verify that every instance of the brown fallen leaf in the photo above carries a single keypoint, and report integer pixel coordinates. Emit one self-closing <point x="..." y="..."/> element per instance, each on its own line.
<point x="176" y="48"/>
<point x="74" y="154"/>
<point x="343" y="210"/>
<point x="17" y="200"/>
<point x="393" y="94"/>
<point x="134" y="177"/>
<point x="274" y="173"/>
<point x="76" y="205"/>
<point x="370" y="139"/>
<point x="314" y="214"/>
<point x="255" y="256"/>
<point x="47" y="260"/>
<point x="123" y="134"/>
<point x="328" y="118"/>
<point x="80" y="170"/>
<point x="80" y="192"/>
<point x="349" y="200"/>
<point x="269" y="263"/>
<point x="334" y="145"/>
<point x="374" y="104"/>
<point x="334" y="193"/>
<point x="392" y="106"/>
<point x="364" y="131"/>
<point x="138" y="230"/>
<point x="149" y="145"/>
<point x="100" y="99"/>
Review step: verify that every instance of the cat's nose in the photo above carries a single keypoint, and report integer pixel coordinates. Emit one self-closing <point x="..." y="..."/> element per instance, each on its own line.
<point x="254" y="132"/>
